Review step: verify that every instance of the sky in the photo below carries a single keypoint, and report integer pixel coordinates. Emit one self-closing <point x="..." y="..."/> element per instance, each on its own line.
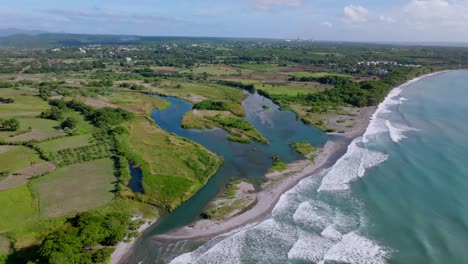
<point x="336" y="20"/>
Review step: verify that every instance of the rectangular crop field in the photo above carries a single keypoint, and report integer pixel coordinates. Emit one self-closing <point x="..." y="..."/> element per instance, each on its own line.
<point x="66" y="143"/>
<point x="14" y="158"/>
<point x="18" y="208"/>
<point x="76" y="188"/>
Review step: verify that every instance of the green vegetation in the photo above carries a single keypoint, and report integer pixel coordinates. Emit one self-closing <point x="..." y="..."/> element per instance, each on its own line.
<point x="278" y="164"/>
<point x="234" y="125"/>
<point x="66" y="143"/>
<point x="86" y="239"/>
<point x="101" y="117"/>
<point x="303" y="147"/>
<point x="14" y="158"/>
<point x="18" y="208"/>
<point x="299" y="75"/>
<point x="9" y="124"/>
<point x="83" y="186"/>
<point x="89" y="114"/>
<point x="173" y="168"/>
<point x="211" y="105"/>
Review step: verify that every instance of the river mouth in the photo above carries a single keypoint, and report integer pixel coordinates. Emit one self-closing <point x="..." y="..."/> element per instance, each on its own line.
<point x="241" y="161"/>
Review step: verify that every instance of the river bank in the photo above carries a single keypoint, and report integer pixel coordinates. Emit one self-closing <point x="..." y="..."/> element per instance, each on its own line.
<point x="268" y="197"/>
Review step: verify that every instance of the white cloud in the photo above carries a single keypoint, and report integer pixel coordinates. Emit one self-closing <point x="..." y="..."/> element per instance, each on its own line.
<point x="353" y="13"/>
<point x="326" y="24"/>
<point x="387" y="19"/>
<point x="268" y="4"/>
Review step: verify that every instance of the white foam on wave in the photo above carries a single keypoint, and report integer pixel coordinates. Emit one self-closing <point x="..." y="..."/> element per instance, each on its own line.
<point x="396" y="134"/>
<point x="316" y="215"/>
<point x="351" y="166"/>
<point x="309" y="247"/>
<point x="377" y="124"/>
<point x="356" y="249"/>
<point x="331" y="233"/>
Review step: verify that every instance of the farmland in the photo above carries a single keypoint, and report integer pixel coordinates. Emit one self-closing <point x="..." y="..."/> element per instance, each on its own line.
<point x="72" y="122"/>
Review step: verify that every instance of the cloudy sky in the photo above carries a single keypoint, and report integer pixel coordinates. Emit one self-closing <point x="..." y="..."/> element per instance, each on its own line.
<point x="357" y="20"/>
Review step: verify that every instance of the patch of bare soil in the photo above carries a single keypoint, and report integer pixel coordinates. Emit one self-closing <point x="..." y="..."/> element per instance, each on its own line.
<point x="36" y="135"/>
<point x="21" y="177"/>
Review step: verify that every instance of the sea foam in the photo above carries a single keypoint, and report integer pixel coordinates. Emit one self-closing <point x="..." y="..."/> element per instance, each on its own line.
<point x="351" y="166"/>
<point x="354" y="248"/>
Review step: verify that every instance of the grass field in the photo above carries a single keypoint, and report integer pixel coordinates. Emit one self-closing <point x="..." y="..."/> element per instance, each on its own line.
<point x="259" y="67"/>
<point x="217" y="70"/>
<point x="139" y="102"/>
<point x="82" y="126"/>
<point x="289" y="90"/>
<point x="66" y="143"/>
<point x="173" y="168"/>
<point x="75" y="188"/>
<point x="19" y="208"/>
<point x="26" y="103"/>
<point x="303" y="147"/>
<point x="196" y="92"/>
<point x="13" y="158"/>
<point x="316" y="74"/>
<point x="42" y="128"/>
<point x="239" y="129"/>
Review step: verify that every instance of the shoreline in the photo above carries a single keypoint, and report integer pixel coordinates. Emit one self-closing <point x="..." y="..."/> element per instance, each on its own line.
<point x="123" y="248"/>
<point x="267" y="198"/>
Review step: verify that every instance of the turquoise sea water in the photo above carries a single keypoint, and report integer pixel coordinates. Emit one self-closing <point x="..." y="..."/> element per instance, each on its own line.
<point x="398" y="195"/>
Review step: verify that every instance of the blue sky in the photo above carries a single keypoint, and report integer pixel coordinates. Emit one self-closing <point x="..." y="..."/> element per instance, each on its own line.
<point x="358" y="20"/>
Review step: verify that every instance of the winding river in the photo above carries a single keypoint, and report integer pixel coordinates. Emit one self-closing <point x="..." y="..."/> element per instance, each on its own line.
<point x="249" y="161"/>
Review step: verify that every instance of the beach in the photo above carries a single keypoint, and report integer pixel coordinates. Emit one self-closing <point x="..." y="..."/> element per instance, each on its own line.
<point x="268" y="197"/>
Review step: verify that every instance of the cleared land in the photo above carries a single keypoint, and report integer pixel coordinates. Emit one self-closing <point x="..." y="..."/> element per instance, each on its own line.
<point x="75" y="188"/>
<point x="22" y="176"/>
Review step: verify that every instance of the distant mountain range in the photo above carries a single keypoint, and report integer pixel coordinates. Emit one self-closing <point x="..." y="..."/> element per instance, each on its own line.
<point x="15" y="31"/>
<point x="25" y="39"/>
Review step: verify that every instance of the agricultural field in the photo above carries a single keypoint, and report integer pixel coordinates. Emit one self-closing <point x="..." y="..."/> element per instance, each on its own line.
<point x="80" y="118"/>
<point x="27" y="103"/>
<point x="75" y="188"/>
<point x="316" y="74"/>
<point x="63" y="143"/>
<point x="19" y="208"/>
<point x="14" y="158"/>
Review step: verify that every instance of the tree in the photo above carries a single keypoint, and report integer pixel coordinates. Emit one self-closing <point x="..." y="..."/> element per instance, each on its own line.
<point x="69" y="123"/>
<point x="53" y="113"/>
<point x="10" y="124"/>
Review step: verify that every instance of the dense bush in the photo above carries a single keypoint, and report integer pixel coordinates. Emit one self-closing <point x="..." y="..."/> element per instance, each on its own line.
<point x="54" y="113"/>
<point x="248" y="87"/>
<point x="85" y="239"/>
<point x="211" y="105"/>
<point x="101" y="117"/>
<point x="69" y="123"/>
<point x="7" y="100"/>
<point x="9" y="124"/>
